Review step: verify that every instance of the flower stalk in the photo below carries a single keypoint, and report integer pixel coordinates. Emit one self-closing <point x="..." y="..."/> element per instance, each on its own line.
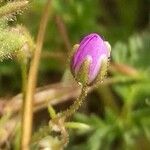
<point x="58" y="122"/>
<point x="75" y="106"/>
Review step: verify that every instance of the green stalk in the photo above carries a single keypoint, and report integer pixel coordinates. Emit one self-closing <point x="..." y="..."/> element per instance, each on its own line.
<point x="75" y="106"/>
<point x="59" y="120"/>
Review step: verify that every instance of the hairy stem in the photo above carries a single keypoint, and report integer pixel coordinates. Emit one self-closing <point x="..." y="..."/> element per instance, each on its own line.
<point x="32" y="79"/>
<point x="59" y="120"/>
<point x="75" y="106"/>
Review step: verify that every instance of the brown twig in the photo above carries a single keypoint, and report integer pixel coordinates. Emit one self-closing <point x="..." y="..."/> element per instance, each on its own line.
<point x="54" y="94"/>
<point x="31" y="84"/>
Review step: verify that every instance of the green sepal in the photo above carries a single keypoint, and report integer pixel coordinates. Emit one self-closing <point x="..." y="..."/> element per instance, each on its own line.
<point x="74" y="49"/>
<point x="103" y="71"/>
<point x="82" y="75"/>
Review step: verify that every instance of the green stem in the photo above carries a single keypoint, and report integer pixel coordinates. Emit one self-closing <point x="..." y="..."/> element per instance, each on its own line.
<point x="59" y="120"/>
<point x="75" y="106"/>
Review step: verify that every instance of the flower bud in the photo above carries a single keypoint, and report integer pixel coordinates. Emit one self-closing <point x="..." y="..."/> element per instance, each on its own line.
<point x="90" y="60"/>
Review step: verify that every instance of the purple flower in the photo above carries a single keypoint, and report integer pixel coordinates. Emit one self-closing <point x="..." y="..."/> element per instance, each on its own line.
<point x="90" y="58"/>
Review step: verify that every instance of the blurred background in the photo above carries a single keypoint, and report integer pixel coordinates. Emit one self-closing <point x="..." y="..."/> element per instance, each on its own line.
<point x="118" y="111"/>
